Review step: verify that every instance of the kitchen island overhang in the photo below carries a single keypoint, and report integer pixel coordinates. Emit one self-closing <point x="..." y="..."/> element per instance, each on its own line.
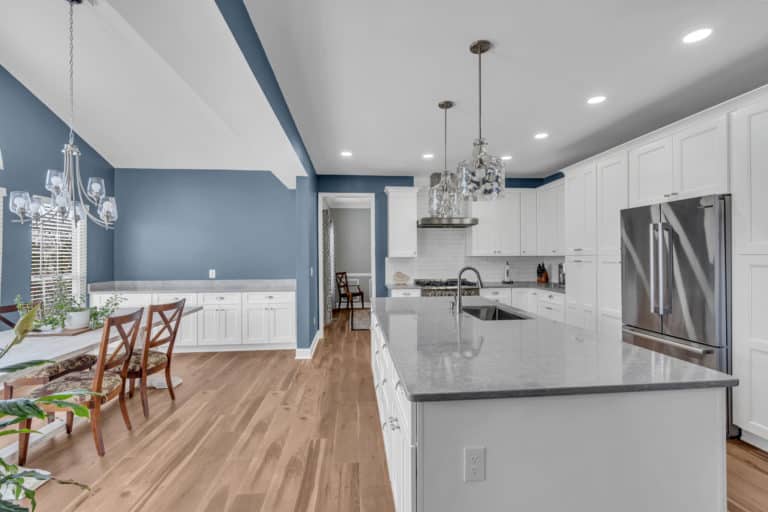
<point x="568" y="420"/>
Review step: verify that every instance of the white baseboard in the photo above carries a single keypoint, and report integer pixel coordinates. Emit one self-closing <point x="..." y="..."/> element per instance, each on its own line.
<point x="232" y="348"/>
<point x="754" y="440"/>
<point x="307" y="353"/>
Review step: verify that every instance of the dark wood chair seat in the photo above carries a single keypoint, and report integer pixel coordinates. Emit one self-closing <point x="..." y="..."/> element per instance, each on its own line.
<point x="347" y="294"/>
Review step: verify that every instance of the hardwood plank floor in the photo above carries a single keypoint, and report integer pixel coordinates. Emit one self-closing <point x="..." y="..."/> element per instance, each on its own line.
<point x="255" y="431"/>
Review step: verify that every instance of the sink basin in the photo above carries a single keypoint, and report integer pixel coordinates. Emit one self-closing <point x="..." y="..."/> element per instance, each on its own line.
<point x="492" y="313"/>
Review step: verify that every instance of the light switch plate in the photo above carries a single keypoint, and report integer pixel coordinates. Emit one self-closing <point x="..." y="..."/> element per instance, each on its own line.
<point x="474" y="464"/>
<point x="212" y="273"/>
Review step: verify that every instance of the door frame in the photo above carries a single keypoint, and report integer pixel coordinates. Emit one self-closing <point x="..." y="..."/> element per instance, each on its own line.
<point x="321" y="197"/>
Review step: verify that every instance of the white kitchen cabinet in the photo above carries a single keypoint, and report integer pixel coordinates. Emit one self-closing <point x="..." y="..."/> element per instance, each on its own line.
<point x="551" y="305"/>
<point x="220" y="324"/>
<point x="128" y="300"/>
<point x="187" y="335"/>
<point x="609" y="294"/>
<point x="701" y="158"/>
<point x="269" y="318"/>
<point x="581" y="209"/>
<point x="497" y="232"/>
<point x="651" y="176"/>
<point x="749" y="178"/>
<point x="612" y="197"/>
<point x="500" y="295"/>
<point x="519" y="298"/>
<point x="402" y="215"/>
<point x="528" y="222"/>
<point x="551" y="218"/>
<point x="405" y="292"/>
<point x="581" y="292"/>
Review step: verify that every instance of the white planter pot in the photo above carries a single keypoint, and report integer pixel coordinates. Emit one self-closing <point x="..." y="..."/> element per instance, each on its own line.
<point x="77" y="319"/>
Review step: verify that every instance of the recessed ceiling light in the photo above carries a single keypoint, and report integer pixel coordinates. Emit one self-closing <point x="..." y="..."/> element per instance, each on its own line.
<point x="506" y="157"/>
<point x="596" y="100"/>
<point x="427" y="156"/>
<point x="346" y="154"/>
<point x="697" y="35"/>
<point x="541" y="135"/>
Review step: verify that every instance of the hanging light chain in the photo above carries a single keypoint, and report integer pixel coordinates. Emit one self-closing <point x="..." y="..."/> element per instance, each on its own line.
<point x="71" y="71"/>
<point x="480" y="95"/>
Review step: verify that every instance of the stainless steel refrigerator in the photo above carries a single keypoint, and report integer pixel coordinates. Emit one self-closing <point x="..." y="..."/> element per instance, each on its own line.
<point x="676" y="280"/>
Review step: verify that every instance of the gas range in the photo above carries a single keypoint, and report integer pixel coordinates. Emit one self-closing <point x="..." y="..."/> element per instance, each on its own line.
<point x="446" y="287"/>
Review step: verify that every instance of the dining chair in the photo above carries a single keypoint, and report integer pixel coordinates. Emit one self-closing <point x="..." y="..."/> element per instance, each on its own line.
<point x="46" y="373"/>
<point x="106" y="380"/>
<point x="147" y="361"/>
<point x="344" y="291"/>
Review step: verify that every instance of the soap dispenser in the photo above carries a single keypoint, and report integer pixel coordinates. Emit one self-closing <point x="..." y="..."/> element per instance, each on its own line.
<point x="507" y="273"/>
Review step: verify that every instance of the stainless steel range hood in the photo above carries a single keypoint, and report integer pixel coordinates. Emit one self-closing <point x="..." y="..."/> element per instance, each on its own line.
<point x="444" y="222"/>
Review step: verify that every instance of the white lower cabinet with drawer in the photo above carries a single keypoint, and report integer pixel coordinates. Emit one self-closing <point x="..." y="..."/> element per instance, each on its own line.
<point x="501" y="295"/>
<point x="405" y="292"/>
<point x="228" y="320"/>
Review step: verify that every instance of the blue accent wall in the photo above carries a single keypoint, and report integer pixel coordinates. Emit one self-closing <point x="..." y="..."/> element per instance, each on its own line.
<point x="306" y="260"/>
<point x="532" y="182"/>
<point x="369" y="184"/>
<point x="177" y="224"/>
<point x="31" y="138"/>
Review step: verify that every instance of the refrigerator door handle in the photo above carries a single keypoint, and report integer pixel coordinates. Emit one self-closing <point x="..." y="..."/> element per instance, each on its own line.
<point x="652" y="257"/>
<point x="662" y="261"/>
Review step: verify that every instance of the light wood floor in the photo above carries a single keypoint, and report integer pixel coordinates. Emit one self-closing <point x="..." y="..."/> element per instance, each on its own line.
<point x="260" y="431"/>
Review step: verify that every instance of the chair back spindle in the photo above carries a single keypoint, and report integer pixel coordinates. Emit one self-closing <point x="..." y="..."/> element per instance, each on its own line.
<point x="127" y="327"/>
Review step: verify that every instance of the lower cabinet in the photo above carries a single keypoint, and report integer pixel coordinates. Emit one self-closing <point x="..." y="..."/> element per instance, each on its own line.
<point x="220" y="325"/>
<point x="551" y="305"/>
<point x="187" y="335"/>
<point x="269" y="318"/>
<point x="500" y="295"/>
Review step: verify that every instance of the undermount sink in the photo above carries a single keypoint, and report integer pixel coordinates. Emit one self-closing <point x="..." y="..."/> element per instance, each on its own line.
<point x="492" y="313"/>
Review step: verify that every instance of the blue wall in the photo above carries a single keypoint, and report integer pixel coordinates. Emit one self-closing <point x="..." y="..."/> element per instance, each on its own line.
<point x="369" y="184"/>
<point x="306" y="260"/>
<point x="31" y="138"/>
<point x="178" y="224"/>
<point x="531" y="182"/>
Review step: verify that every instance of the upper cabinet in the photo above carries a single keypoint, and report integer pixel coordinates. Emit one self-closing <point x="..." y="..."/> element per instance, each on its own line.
<point x="551" y="217"/>
<point x="612" y="197"/>
<point x="749" y="164"/>
<point x="402" y="217"/>
<point x="691" y="161"/>
<point x="528" y="222"/>
<point x="581" y="209"/>
<point x="650" y="172"/>
<point x="497" y="232"/>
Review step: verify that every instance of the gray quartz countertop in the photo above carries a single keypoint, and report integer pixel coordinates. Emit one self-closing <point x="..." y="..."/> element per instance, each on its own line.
<point x="438" y="358"/>
<point x="553" y="287"/>
<point x="203" y="285"/>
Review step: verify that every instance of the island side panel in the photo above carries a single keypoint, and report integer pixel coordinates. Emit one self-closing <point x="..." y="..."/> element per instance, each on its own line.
<point x="656" y="450"/>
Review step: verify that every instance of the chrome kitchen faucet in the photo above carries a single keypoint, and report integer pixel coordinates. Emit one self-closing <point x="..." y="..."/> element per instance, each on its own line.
<point x="457" y="302"/>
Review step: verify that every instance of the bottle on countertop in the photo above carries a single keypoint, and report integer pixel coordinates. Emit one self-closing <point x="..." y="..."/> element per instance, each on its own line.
<point x="542" y="276"/>
<point x="507" y="273"/>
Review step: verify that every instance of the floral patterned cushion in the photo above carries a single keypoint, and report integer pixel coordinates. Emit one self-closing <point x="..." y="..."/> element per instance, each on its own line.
<point x="79" y="380"/>
<point x="154" y="359"/>
<point x="57" y="369"/>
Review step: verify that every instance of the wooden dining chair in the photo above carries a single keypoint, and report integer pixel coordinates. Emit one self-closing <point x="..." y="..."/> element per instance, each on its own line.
<point x="344" y="292"/>
<point x="106" y="380"/>
<point x="46" y="373"/>
<point x="148" y="360"/>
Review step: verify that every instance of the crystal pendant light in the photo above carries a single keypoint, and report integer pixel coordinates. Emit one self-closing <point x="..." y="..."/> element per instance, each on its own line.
<point x="481" y="177"/>
<point x="444" y="198"/>
<point x="68" y="195"/>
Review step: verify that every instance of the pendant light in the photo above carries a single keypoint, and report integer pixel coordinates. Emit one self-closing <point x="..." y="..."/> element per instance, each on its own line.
<point x="68" y="194"/>
<point x="481" y="177"/>
<point x="446" y="205"/>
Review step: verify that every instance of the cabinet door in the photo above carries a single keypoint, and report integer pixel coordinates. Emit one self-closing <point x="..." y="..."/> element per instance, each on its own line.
<point x="612" y="197"/>
<point x="750" y="343"/>
<point x="580" y="205"/>
<point x="588" y="295"/>
<point x="402" y="215"/>
<point x="283" y="323"/>
<point x="550" y="220"/>
<point x="230" y="327"/>
<point x="187" y="335"/>
<point x="484" y="237"/>
<point x="136" y="300"/>
<point x="559" y="220"/>
<point x="508" y="223"/>
<point x="651" y="176"/>
<point x="609" y="286"/>
<point x="701" y="159"/>
<point x="208" y="325"/>
<point x="528" y="222"/>
<point x="256" y="323"/>
<point x="749" y="177"/>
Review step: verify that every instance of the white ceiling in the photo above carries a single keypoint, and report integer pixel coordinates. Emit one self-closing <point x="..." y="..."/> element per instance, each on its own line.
<point x="366" y="76"/>
<point x="159" y="84"/>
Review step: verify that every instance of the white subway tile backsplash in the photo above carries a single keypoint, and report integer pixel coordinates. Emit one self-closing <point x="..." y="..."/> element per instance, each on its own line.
<point x="442" y="252"/>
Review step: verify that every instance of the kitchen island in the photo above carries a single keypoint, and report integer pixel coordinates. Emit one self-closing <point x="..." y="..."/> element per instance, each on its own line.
<point x="536" y="415"/>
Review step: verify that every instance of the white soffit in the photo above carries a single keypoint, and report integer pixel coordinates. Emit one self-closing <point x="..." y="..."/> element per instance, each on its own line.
<point x="159" y="84"/>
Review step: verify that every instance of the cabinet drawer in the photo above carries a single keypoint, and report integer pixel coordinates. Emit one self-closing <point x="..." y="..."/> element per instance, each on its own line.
<point x="551" y="311"/>
<point x="410" y="292"/>
<point x="220" y="298"/>
<point x="503" y="295"/>
<point x="261" y="297"/>
<point x="166" y="298"/>
<point x="552" y="298"/>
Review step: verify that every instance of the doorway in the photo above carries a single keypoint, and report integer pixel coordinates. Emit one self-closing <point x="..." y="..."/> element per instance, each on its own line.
<point x="346" y="243"/>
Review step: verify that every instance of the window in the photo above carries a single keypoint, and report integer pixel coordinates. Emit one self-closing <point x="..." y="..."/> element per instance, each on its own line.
<point x="58" y="250"/>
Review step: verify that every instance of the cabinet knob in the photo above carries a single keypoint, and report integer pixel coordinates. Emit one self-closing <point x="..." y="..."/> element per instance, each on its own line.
<point x="393" y="423"/>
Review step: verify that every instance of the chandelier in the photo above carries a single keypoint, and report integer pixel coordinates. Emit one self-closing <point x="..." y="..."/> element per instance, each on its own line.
<point x="444" y="198"/>
<point x="68" y="195"/>
<point x="481" y="177"/>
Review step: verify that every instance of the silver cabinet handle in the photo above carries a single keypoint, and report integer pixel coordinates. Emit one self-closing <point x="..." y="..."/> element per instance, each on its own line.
<point x="674" y="194"/>
<point x="549" y="308"/>
<point x="578" y="249"/>
<point x="393" y="423"/>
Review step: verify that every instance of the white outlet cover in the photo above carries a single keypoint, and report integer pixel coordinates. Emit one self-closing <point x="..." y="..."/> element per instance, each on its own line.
<point x="212" y="273"/>
<point x="474" y="464"/>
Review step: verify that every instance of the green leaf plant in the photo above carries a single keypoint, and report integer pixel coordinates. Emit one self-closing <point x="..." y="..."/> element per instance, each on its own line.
<point x="15" y="411"/>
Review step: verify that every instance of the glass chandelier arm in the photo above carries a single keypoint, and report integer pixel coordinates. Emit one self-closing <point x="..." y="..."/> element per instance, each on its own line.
<point x="81" y="189"/>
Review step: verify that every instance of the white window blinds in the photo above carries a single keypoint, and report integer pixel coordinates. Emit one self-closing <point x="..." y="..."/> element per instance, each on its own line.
<point x="59" y="250"/>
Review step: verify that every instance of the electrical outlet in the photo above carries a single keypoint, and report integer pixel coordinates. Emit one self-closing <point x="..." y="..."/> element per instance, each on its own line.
<point x="311" y="271"/>
<point x="212" y="273"/>
<point x="474" y="464"/>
